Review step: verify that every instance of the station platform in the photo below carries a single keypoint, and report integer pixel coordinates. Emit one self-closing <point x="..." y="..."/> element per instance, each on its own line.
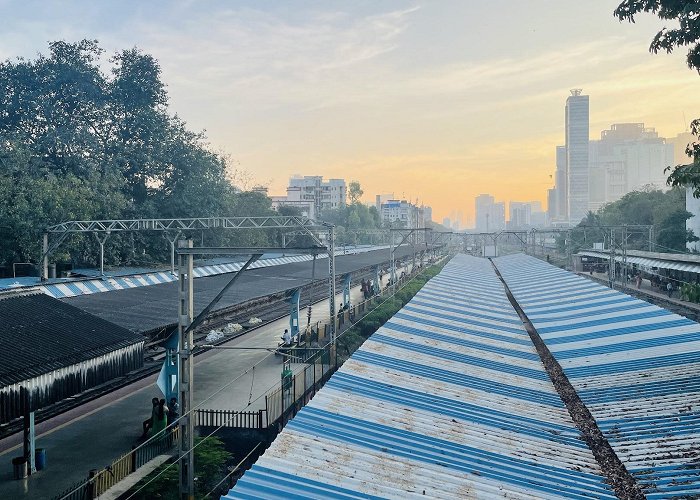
<point x="95" y="434"/>
<point x="645" y="289"/>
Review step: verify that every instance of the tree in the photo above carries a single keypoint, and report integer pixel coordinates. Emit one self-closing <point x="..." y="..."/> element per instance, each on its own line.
<point x="355" y="192"/>
<point x="687" y="13"/>
<point x="663" y="210"/>
<point x="79" y="142"/>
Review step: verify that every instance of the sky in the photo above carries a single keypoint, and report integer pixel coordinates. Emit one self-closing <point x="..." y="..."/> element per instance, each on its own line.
<point x="436" y="101"/>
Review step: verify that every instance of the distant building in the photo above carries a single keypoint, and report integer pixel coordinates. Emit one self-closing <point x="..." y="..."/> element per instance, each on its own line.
<point x="552" y="212"/>
<point x="577" y="134"/>
<point x="519" y="213"/>
<point x="307" y="208"/>
<point x="428" y="214"/>
<point x="490" y="215"/>
<point x="400" y="212"/>
<point x="561" y="184"/>
<point x="382" y="198"/>
<point x="447" y="222"/>
<point x="628" y="157"/>
<point x="324" y="195"/>
<point x="680" y="143"/>
<point x="526" y="214"/>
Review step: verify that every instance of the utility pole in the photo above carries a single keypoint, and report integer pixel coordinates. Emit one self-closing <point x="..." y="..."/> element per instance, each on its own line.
<point x="624" y="255"/>
<point x="331" y="284"/>
<point x="611" y="265"/>
<point x="186" y="376"/>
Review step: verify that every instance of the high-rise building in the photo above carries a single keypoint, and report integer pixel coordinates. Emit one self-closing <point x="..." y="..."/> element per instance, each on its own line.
<point x="628" y="157"/>
<point x="483" y="205"/>
<point x="520" y="213"/>
<point x="560" y="183"/>
<point x="324" y="195"/>
<point x="552" y="213"/>
<point x="526" y="214"/>
<point x="576" y="129"/>
<point x="490" y="216"/>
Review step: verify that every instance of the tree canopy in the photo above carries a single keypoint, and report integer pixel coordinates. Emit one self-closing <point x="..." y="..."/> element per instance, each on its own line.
<point x="79" y="142"/>
<point x="665" y="211"/>
<point x="687" y="34"/>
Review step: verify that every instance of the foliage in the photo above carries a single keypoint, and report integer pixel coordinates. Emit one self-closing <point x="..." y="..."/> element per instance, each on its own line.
<point x="78" y="142"/>
<point x="210" y="457"/>
<point x="690" y="292"/>
<point x="355" y="192"/>
<point x="663" y="210"/>
<point x="687" y="34"/>
<point x="352" y="219"/>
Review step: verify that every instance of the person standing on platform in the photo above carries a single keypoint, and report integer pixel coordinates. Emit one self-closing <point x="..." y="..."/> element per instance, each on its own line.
<point x="148" y="424"/>
<point x="669" y="289"/>
<point x="160" y="418"/>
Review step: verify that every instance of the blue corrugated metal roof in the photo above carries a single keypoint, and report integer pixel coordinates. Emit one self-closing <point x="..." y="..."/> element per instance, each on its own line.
<point x="448" y="399"/>
<point x="635" y="366"/>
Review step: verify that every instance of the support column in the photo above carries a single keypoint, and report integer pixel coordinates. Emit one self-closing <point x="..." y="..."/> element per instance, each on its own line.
<point x="185" y="378"/>
<point x="346" y="289"/>
<point x="102" y="242"/>
<point x="294" y="313"/>
<point x="311" y="291"/>
<point x="331" y="282"/>
<point x="28" y="428"/>
<point x="377" y="280"/>
<point x="392" y="261"/>
<point x="611" y="265"/>
<point x="172" y="250"/>
<point x="45" y="259"/>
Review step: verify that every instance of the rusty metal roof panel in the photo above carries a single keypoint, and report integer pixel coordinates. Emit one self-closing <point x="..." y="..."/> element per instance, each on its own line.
<point x="448" y="399"/>
<point x="636" y="367"/>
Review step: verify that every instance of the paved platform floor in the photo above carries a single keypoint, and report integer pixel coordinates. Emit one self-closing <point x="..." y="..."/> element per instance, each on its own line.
<point x="95" y="434"/>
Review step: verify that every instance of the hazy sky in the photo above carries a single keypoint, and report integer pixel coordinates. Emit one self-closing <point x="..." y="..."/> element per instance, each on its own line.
<point x="436" y="100"/>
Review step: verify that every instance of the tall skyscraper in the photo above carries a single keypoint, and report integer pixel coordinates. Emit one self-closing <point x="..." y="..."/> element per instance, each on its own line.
<point x="577" y="110"/>
<point x="490" y="215"/>
<point x="560" y="183"/>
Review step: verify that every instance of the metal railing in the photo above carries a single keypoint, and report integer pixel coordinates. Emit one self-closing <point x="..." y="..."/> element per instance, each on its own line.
<point x="232" y="419"/>
<point x="99" y="481"/>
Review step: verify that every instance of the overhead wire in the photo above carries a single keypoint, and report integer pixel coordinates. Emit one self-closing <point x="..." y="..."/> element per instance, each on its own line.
<point x="217" y="429"/>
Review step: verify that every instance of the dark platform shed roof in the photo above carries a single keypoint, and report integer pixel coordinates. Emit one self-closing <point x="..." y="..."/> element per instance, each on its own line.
<point x="41" y="334"/>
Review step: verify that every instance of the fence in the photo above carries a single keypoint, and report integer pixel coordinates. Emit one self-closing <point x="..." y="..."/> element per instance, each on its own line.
<point x="231" y="418"/>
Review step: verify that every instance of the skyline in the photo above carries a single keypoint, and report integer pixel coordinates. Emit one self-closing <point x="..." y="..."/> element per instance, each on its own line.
<point x="384" y="92"/>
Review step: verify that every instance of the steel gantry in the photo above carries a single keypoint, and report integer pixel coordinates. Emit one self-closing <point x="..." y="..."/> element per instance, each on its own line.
<point x="406" y="233"/>
<point x="172" y="229"/>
